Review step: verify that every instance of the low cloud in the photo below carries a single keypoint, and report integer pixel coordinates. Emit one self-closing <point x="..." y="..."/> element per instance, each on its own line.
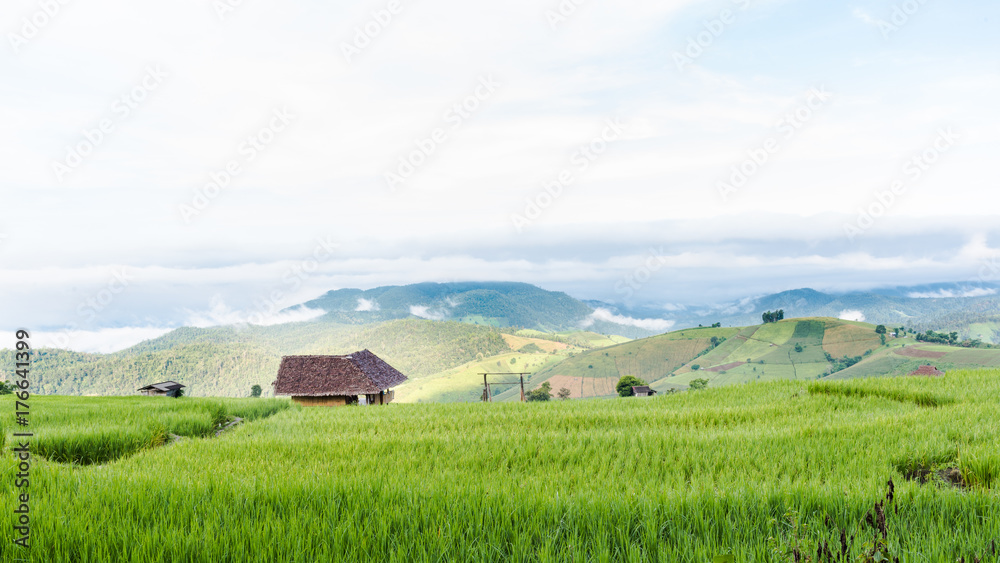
<point x="602" y="314"/>
<point x="366" y="305"/>
<point x="426" y="313"/>
<point x="852" y="315"/>
<point x="952" y="294"/>
<point x="103" y="341"/>
<point x="220" y="314"/>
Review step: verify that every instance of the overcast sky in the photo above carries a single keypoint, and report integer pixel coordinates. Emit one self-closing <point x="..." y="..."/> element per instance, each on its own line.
<point x="171" y="163"/>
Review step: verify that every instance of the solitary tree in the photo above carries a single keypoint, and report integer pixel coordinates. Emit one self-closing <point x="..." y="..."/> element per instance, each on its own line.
<point x="626" y="383"/>
<point x="698" y="384"/>
<point x="543" y="393"/>
<point x="563" y="393"/>
<point x="255" y="391"/>
<point x="880" y="329"/>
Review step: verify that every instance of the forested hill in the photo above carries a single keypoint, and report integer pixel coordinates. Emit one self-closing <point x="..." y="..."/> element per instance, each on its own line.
<point x="498" y="304"/>
<point x="227" y="361"/>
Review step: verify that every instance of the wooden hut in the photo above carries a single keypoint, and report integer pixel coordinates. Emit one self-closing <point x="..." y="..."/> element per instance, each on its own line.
<point x="165" y="389"/>
<point x="333" y="381"/>
<point x="642" y="391"/>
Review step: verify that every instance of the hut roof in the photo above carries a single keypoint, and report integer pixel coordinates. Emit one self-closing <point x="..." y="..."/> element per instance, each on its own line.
<point x="318" y="376"/>
<point x="641" y="389"/>
<point x="165" y="386"/>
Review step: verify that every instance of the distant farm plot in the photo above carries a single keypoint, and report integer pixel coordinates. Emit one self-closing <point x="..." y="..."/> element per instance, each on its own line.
<point x="584" y="387"/>
<point x="649" y="359"/>
<point x="914" y="352"/>
<point x="850" y="340"/>
<point x="518" y="342"/>
<point x="775" y="333"/>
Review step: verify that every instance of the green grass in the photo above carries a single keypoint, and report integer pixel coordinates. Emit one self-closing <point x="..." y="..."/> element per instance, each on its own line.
<point x="684" y="477"/>
<point x="85" y="430"/>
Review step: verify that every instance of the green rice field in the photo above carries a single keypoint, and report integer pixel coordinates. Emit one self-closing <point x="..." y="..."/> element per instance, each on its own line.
<point x="753" y="472"/>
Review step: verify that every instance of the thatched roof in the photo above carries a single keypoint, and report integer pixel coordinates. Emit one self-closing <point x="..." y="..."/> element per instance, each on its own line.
<point x="359" y="373"/>
<point x="165" y="386"/>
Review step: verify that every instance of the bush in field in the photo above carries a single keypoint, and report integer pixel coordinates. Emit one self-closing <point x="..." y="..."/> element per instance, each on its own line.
<point x="6" y="388"/>
<point x="625" y="384"/>
<point x="255" y="391"/>
<point x="564" y="393"/>
<point x="543" y="393"/>
<point x="698" y="384"/>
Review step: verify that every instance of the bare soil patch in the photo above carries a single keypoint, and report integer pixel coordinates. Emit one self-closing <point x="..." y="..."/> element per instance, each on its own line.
<point x="911" y="352"/>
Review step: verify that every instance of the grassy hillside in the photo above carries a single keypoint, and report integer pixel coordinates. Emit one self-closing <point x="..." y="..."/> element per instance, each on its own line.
<point x="226" y="361"/>
<point x="972" y="317"/>
<point x="793" y="349"/>
<point x="751" y="471"/>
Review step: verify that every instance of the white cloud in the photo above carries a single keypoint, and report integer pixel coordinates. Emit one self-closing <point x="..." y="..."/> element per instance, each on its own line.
<point x="366" y="305"/>
<point x="425" y="313"/>
<point x="852" y="315"/>
<point x="103" y="341"/>
<point x="220" y="314"/>
<point x="952" y="294"/>
<point x="602" y="314"/>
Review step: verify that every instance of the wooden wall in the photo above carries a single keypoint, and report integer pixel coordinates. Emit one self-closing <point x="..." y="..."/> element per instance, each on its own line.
<point x="331" y="401"/>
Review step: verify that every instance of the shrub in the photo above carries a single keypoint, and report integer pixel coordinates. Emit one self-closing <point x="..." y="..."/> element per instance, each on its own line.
<point x="543" y="393"/>
<point x="698" y="384"/>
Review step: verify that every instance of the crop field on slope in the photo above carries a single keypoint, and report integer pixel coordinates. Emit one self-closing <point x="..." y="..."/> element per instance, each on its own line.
<point x="849" y="340"/>
<point x="685" y="477"/>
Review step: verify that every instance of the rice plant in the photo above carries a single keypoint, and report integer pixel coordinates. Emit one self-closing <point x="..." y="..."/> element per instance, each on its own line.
<point x="748" y="473"/>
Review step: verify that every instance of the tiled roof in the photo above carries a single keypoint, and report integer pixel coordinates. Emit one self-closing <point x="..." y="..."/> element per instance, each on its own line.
<point x="354" y="374"/>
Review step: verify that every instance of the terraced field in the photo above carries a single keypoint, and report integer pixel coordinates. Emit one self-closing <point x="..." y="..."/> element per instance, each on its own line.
<point x="749" y="473"/>
<point x="792" y="349"/>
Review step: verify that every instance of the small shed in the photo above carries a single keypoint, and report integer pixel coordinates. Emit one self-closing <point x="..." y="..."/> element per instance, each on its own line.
<point x="642" y="391"/>
<point x="333" y="381"/>
<point x="164" y="389"/>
